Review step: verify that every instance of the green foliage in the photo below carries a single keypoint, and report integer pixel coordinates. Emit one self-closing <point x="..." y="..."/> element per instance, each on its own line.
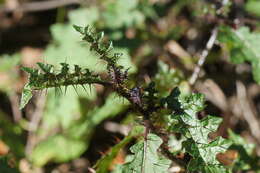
<point x="53" y="149"/>
<point x="26" y="96"/>
<point x="146" y="158"/>
<point x="253" y="7"/>
<point x="103" y="164"/>
<point x="184" y="121"/>
<point x="66" y="46"/>
<point x="78" y="133"/>
<point x="97" y="44"/>
<point x="242" y="46"/>
<point x="5" y="167"/>
<point x="124" y="11"/>
<point x="204" y="155"/>
<point x="47" y="78"/>
<point x="247" y="159"/>
<point x="77" y="120"/>
<point x="8" y="65"/>
<point x="7" y="62"/>
<point x="70" y="106"/>
<point x="12" y="135"/>
<point x="167" y="78"/>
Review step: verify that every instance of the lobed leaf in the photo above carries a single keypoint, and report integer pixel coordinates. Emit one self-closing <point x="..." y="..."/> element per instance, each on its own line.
<point x="243" y="45"/>
<point x="103" y="164"/>
<point x="184" y="120"/>
<point x="146" y="158"/>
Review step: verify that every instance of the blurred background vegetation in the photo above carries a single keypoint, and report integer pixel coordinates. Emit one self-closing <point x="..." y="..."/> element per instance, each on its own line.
<point x="162" y="40"/>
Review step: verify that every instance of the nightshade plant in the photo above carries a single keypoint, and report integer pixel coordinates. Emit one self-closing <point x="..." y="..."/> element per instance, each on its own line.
<point x="178" y="113"/>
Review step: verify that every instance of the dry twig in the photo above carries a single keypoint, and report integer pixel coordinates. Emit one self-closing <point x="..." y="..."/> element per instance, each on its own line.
<point x="247" y="111"/>
<point x="14" y="99"/>
<point x="34" y="123"/>
<point x="176" y="49"/>
<point x="203" y="56"/>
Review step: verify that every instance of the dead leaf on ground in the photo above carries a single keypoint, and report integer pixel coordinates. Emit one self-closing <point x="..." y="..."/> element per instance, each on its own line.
<point x="228" y="157"/>
<point x="4" y="149"/>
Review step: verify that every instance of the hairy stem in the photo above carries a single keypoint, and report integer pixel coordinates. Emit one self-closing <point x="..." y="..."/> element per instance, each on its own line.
<point x="71" y="82"/>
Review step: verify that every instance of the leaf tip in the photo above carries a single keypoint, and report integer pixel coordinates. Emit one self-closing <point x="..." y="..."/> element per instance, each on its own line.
<point x="26" y="96"/>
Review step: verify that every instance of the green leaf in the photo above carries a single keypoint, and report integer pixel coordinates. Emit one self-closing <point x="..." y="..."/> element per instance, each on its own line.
<point x="196" y="164"/>
<point x="26" y="96"/>
<point x="193" y="103"/>
<point x="7" y="62"/>
<point x="9" y="74"/>
<point x="46" y="68"/>
<point x="57" y="148"/>
<point x="246" y="160"/>
<point x="206" y="152"/>
<point x="243" y="45"/>
<point x="238" y="140"/>
<point x="103" y="164"/>
<point x="253" y="7"/>
<point x="175" y="144"/>
<point x="79" y="29"/>
<point x="77" y="119"/>
<point x="173" y="99"/>
<point x="109" y="109"/>
<point x="67" y="45"/>
<point x="198" y="130"/>
<point x="86" y="125"/>
<point x="77" y="131"/>
<point x="12" y="135"/>
<point x="65" y="111"/>
<point x="124" y="11"/>
<point x="184" y="120"/>
<point x="204" y="155"/>
<point x="84" y="16"/>
<point x="167" y="78"/>
<point x="146" y="158"/>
